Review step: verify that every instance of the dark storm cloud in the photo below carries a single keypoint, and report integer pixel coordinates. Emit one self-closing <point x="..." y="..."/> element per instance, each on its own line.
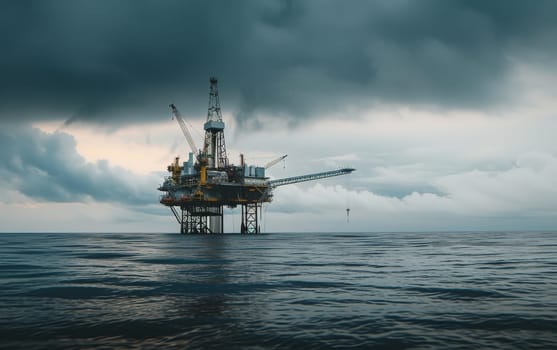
<point x="113" y="61"/>
<point x="47" y="167"/>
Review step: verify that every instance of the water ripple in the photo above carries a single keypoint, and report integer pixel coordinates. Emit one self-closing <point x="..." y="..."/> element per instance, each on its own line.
<point x="463" y="290"/>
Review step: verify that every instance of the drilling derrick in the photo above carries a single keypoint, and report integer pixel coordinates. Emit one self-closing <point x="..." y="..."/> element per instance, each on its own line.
<point x="197" y="190"/>
<point x="214" y="130"/>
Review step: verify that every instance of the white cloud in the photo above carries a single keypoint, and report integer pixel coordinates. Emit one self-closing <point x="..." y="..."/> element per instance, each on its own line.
<point x="528" y="187"/>
<point x="527" y="190"/>
<point x="417" y="168"/>
<point x="79" y="217"/>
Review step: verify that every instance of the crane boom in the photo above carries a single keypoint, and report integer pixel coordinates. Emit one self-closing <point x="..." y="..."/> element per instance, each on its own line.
<point x="176" y="114"/>
<point x="309" y="177"/>
<point x="275" y="161"/>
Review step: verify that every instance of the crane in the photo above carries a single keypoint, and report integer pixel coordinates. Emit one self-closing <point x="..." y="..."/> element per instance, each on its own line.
<point x="201" y="156"/>
<point x="176" y="114"/>
<point x="275" y="161"/>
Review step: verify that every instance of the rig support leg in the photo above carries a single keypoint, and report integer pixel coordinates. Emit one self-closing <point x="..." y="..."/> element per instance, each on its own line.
<point x="250" y="224"/>
<point x="192" y="222"/>
<point x="216" y="219"/>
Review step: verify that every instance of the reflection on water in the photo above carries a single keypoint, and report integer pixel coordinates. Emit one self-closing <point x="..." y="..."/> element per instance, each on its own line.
<point x="440" y="290"/>
<point x="213" y="301"/>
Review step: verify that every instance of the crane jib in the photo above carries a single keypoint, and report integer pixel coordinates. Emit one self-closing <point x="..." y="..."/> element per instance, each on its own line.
<point x="309" y="177"/>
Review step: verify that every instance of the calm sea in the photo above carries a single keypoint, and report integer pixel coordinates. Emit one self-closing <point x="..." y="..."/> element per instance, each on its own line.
<point x="465" y="290"/>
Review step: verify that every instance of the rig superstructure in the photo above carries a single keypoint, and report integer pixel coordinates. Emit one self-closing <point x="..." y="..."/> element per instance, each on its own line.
<point x="206" y="182"/>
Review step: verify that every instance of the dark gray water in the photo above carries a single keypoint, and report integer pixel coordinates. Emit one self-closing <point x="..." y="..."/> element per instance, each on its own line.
<point x="279" y="291"/>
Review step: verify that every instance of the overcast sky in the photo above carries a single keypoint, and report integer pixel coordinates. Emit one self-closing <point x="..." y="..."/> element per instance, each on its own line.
<point x="447" y="109"/>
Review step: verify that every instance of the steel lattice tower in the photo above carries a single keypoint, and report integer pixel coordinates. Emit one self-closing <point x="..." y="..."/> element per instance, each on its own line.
<point x="214" y="130"/>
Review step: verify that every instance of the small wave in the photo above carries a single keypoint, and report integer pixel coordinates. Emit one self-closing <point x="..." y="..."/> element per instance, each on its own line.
<point x="181" y="261"/>
<point x="315" y="284"/>
<point x="102" y="255"/>
<point x="72" y="292"/>
<point x="458" y="293"/>
<point x="19" y="267"/>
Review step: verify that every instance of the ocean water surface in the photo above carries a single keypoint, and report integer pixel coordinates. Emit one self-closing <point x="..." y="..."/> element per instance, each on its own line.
<point x="465" y="290"/>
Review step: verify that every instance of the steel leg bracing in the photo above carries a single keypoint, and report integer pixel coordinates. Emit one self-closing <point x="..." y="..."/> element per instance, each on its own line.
<point x="175" y="212"/>
<point x="201" y="219"/>
<point x="193" y="224"/>
<point x="250" y="224"/>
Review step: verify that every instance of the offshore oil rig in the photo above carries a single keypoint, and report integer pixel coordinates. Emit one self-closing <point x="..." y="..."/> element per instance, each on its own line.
<point x="206" y="182"/>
